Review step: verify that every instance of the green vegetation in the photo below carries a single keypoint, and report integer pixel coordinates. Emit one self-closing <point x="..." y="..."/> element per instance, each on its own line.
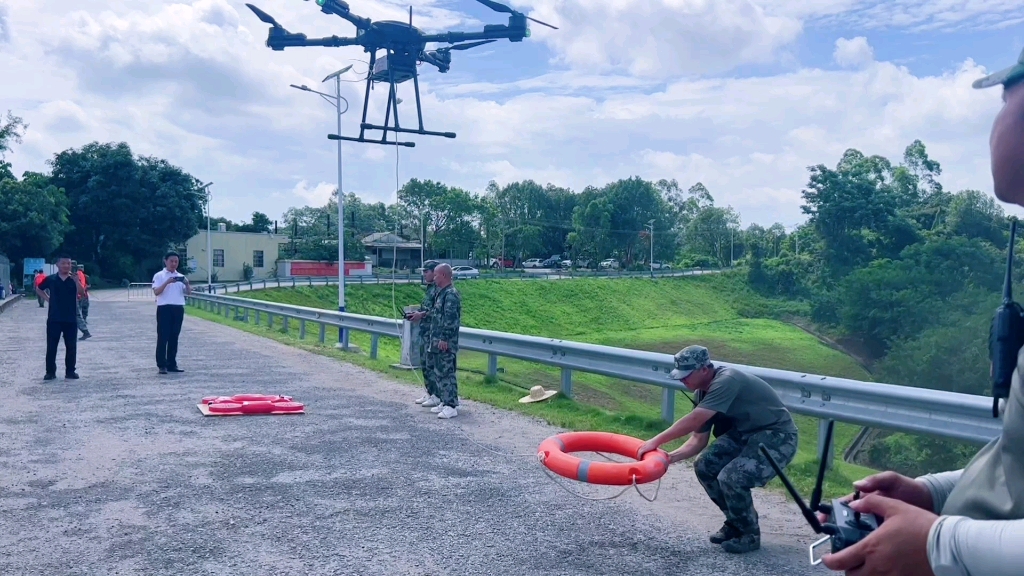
<point x="661" y="315"/>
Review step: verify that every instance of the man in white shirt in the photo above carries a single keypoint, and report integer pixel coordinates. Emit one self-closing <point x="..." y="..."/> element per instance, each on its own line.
<point x="170" y="287"/>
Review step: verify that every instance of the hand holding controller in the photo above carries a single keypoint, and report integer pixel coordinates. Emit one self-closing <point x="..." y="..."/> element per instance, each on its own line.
<point x="844" y="526"/>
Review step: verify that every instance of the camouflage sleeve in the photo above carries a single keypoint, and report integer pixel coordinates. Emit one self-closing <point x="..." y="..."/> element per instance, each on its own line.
<point x="450" y="318"/>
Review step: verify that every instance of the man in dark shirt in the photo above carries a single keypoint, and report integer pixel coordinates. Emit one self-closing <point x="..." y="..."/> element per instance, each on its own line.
<point x="61" y="290"/>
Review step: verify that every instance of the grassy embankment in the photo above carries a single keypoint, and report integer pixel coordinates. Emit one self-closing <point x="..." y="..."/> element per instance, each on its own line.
<point x="663" y="315"/>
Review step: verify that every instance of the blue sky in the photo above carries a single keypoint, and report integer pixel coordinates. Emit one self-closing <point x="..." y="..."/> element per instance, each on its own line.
<point x="741" y="95"/>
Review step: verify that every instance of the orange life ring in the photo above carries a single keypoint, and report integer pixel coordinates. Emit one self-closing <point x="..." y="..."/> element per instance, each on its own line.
<point x="554" y="453"/>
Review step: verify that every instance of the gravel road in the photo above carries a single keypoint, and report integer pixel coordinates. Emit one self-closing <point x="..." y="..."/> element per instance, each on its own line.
<point x="119" y="473"/>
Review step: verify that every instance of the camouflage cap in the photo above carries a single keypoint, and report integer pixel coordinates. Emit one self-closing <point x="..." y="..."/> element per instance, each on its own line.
<point x="689" y="359"/>
<point x="429" y="265"/>
<point x="1004" y="76"/>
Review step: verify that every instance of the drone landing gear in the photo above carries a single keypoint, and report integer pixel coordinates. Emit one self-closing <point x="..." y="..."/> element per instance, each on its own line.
<point x="393" y="61"/>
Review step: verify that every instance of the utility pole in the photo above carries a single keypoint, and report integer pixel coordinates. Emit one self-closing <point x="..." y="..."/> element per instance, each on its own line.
<point x="423" y="238"/>
<point x="650" y="227"/>
<point x="732" y="247"/>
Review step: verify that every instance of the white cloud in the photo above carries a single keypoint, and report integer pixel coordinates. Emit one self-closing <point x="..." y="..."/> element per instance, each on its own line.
<point x="315" y="196"/>
<point x="191" y="81"/>
<point x="662" y="38"/>
<point x="853" y="52"/>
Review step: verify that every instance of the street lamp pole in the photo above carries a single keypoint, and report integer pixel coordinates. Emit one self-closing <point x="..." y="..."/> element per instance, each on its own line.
<point x="209" y="243"/>
<point x="337" y="99"/>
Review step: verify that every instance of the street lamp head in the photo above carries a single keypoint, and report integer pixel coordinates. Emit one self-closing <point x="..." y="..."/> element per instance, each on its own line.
<point x="338" y="73"/>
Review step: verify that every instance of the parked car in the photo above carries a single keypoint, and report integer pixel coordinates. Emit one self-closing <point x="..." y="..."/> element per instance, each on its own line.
<point x="610" y="263"/>
<point x="660" y="265"/>
<point x="499" y="263"/>
<point x="531" y="263"/>
<point x="553" y="262"/>
<point x="465" y="272"/>
<point x="565" y="263"/>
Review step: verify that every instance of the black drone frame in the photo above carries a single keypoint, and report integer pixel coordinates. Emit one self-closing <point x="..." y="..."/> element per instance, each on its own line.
<point x="405" y="48"/>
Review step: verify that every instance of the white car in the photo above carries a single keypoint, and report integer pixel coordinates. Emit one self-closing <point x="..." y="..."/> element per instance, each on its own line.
<point x="610" y="263"/>
<point x="532" y="263"/>
<point x="465" y="272"/>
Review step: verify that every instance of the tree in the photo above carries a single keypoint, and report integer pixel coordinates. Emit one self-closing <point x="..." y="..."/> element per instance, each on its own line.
<point x="33" y="217"/>
<point x="11" y="130"/>
<point x="260" y="223"/>
<point x="125" y="210"/>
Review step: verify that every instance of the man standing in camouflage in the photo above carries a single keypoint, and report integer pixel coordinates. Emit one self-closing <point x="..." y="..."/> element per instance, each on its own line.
<point x="752" y="413"/>
<point x="445" y="319"/>
<point x="422" y="316"/>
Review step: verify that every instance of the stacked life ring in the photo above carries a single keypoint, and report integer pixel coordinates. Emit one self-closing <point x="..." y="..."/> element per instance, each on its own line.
<point x="251" y="404"/>
<point x="555" y="454"/>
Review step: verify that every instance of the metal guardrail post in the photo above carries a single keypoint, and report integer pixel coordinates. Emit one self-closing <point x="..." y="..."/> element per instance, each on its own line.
<point x="374" y="343"/>
<point x="302" y="329"/>
<point x="284" y="323"/>
<point x="567" y="382"/>
<point x="323" y="332"/>
<point x="822" y="431"/>
<point x="270" y="320"/>
<point x="246" y="315"/>
<point x="257" y="317"/>
<point x="492" y="365"/>
<point x="668" y="404"/>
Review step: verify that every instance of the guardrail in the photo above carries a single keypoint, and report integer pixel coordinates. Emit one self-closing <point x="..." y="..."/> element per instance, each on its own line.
<point x="900" y="408"/>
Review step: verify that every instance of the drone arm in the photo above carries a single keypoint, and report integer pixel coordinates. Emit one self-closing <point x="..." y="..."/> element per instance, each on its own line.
<point x="340" y="8"/>
<point x="281" y="40"/>
<point x="494" y="33"/>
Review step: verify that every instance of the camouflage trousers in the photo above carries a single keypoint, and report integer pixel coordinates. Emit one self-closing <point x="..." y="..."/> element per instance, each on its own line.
<point x="428" y="374"/>
<point x="733" y="465"/>
<point x="442" y="367"/>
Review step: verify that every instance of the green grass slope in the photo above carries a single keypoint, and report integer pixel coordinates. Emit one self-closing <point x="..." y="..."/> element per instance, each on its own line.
<point x="663" y="315"/>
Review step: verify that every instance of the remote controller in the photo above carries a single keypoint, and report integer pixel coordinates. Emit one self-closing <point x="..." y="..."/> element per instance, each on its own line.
<point x="844" y="527"/>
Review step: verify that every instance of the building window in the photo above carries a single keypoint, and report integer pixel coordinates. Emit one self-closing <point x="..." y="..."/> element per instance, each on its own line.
<point x="218" y="258"/>
<point x="257" y="258"/>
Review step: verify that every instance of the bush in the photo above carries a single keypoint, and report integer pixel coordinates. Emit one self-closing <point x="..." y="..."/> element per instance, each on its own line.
<point x="247" y="272"/>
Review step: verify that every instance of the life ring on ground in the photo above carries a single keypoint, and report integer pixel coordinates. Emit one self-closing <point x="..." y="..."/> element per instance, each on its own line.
<point x="555" y="454"/>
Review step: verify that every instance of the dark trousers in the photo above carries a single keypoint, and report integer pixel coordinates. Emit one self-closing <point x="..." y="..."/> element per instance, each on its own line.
<point x="168" y="326"/>
<point x="54" y="330"/>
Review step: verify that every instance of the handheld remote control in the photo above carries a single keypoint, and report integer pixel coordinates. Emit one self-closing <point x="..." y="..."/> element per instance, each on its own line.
<point x="845" y="527"/>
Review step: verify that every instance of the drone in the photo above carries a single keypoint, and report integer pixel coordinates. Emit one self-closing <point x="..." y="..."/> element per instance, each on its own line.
<point x="405" y="48"/>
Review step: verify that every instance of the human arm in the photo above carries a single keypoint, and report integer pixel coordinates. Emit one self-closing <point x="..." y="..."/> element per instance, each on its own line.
<point x="697" y="442"/>
<point x="685" y="425"/>
<point x="163" y="283"/>
<point x="78" y="285"/>
<point x="939" y="487"/>
<point x="960" y="546"/>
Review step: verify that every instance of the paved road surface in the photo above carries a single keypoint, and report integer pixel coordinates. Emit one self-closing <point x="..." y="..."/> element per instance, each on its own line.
<point x="118" y="473"/>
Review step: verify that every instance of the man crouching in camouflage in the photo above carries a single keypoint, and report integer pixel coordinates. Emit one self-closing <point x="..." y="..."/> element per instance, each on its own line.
<point x="445" y="319"/>
<point x="422" y="316"/>
<point x="744" y="411"/>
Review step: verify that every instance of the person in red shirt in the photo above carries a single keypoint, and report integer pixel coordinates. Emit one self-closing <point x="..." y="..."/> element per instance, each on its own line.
<point x="39" y="280"/>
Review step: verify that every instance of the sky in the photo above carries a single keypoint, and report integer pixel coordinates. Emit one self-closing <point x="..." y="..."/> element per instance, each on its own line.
<point x="742" y="95"/>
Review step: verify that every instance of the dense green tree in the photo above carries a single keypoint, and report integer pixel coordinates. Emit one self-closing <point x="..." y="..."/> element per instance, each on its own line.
<point x="33" y="217"/>
<point x="125" y="210"/>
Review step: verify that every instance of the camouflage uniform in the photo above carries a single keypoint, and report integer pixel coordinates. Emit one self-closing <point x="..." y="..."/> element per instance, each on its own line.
<point x="424" y="328"/>
<point x="733" y="465"/>
<point x="446" y="317"/>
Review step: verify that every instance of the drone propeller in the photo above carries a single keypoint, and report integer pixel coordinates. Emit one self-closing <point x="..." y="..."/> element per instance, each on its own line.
<point x="503" y="8"/>
<point x="264" y="16"/>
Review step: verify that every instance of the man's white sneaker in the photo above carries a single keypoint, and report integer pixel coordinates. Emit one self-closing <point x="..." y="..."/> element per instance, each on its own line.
<point x="437" y="409"/>
<point x="423" y="399"/>
<point x="448" y="412"/>
<point x="431" y="402"/>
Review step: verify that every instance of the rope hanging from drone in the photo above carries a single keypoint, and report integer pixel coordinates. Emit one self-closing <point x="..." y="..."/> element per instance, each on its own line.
<point x="405" y="48"/>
